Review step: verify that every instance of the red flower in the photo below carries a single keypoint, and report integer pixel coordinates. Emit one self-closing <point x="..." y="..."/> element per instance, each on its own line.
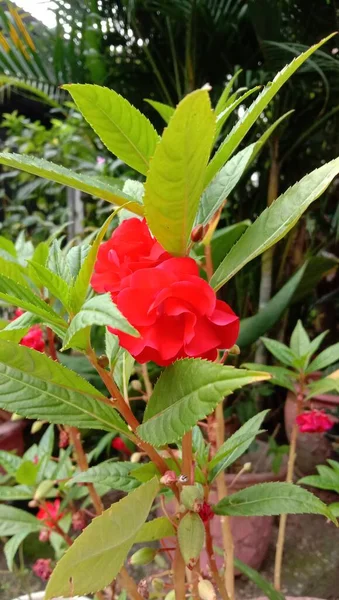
<point x="119" y="445"/>
<point x="130" y="248"/>
<point x="176" y="313"/>
<point x="42" y="568"/>
<point x="34" y="338"/>
<point x="206" y="513"/>
<point x="314" y="421"/>
<point x="50" y="513"/>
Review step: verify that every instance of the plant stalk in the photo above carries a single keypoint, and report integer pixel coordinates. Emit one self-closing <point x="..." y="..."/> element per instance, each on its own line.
<point x="213" y="565"/>
<point x="129" y="584"/>
<point x="289" y="479"/>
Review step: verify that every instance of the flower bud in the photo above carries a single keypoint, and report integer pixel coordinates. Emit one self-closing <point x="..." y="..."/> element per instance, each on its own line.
<point x="63" y="439"/>
<point x="44" y="535"/>
<point x="168" y="478"/>
<point x="16" y="417"/>
<point x="206" y="590"/>
<point x="157" y="584"/>
<point x="78" y="520"/>
<point x="136" y="385"/>
<point x="136" y="456"/>
<point x="36" y="426"/>
<point x="103" y="361"/>
<point x="143" y="556"/>
<point x="247" y="467"/>
<point x="197" y="233"/>
<point x="170" y="595"/>
<point x="42" y="490"/>
<point x="235" y="350"/>
<point x="192" y="497"/>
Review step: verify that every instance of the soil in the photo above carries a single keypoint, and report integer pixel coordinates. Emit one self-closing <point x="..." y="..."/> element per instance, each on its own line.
<point x="311" y="564"/>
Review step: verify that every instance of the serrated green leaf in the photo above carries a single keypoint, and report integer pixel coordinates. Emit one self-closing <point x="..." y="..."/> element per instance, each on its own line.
<point x="53" y="282"/>
<point x="8" y="246"/>
<point x="229" y="108"/>
<point x="57" y="262"/>
<point x="116" y="475"/>
<point x="79" y="290"/>
<point x="236" y="445"/>
<point x="13" y="271"/>
<point x="164" y="110"/>
<point x="37" y="387"/>
<point x="85" y="183"/>
<point x="191" y="537"/>
<point x="46" y="443"/>
<point x="99" y="310"/>
<point x="254" y="327"/>
<point x="327" y="479"/>
<point x="176" y="176"/>
<point x="75" y="258"/>
<point x="250" y="117"/>
<point x="102" y="546"/>
<point x="14" y="335"/>
<point x="186" y="392"/>
<point x="223" y="183"/>
<point x="327" y="357"/>
<point x="14" y="520"/>
<point x="9" y="461"/>
<point x="275" y="221"/>
<point x="11" y="547"/>
<point x="300" y="342"/>
<point x="13" y="493"/>
<point x="324" y="385"/>
<point x="19" y="295"/>
<point x="199" y="446"/>
<point x="316" y="343"/>
<point x="122" y="365"/>
<point x="280" y="375"/>
<point x="223" y="240"/>
<point x="122" y="128"/>
<point x="280" y="351"/>
<point x="265" y="499"/>
<point x="226" y="93"/>
<point x="155" y="530"/>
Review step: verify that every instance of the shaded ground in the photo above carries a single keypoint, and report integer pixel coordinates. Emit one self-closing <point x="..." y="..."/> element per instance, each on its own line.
<point x="311" y="565"/>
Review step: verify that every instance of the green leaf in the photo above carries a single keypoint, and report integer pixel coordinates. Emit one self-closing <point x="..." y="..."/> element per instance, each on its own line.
<point x="9" y="462"/>
<point x="327" y="357"/>
<point x="279" y="350"/>
<point x="280" y="375"/>
<point x="122" y="365"/>
<point x="12" y="546"/>
<point x="334" y="508"/>
<point x="229" y="108"/>
<point x="266" y="499"/>
<point x="13" y="271"/>
<point x="116" y="475"/>
<point x="14" y="520"/>
<point x="155" y="530"/>
<point x="191" y="537"/>
<point x="322" y="386"/>
<point x="265" y="586"/>
<point x="27" y="473"/>
<point x="122" y="128"/>
<point x="164" y="110"/>
<point x="14" y="335"/>
<point x="236" y="445"/>
<point x="103" y="546"/>
<point x="252" y="114"/>
<point x="223" y="240"/>
<point x="186" y="392"/>
<point x="79" y="290"/>
<point x="8" y="246"/>
<point x="53" y="282"/>
<point x="300" y="342"/>
<point x="223" y="183"/>
<point x="316" y="343"/>
<point x="19" y="295"/>
<point x="75" y="258"/>
<point x="176" y="176"/>
<point x="57" y="262"/>
<point x="46" y="443"/>
<point x="327" y="479"/>
<point x="99" y="310"/>
<point x="33" y="385"/>
<point x="275" y="221"/>
<point x="13" y="493"/>
<point x="199" y="446"/>
<point x="226" y="93"/>
<point x="254" y="327"/>
<point x="85" y="183"/>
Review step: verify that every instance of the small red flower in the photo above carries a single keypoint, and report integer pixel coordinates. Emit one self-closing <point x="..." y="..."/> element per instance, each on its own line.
<point x="176" y="313"/>
<point x="34" y="338"/>
<point x="119" y="445"/>
<point x="63" y="439"/>
<point x="131" y="247"/>
<point x="79" y="520"/>
<point x="42" y="568"/>
<point x="50" y="513"/>
<point x="206" y="513"/>
<point x="314" y="421"/>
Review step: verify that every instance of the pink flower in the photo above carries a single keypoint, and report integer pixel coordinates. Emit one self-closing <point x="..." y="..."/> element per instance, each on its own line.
<point x="50" y="514"/>
<point x="42" y="568"/>
<point x="131" y="247"/>
<point x="314" y="421"/>
<point x="34" y="338"/>
<point x="101" y="160"/>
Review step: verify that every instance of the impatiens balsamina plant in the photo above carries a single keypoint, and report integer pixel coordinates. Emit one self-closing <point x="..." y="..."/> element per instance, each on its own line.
<point x="156" y="306"/>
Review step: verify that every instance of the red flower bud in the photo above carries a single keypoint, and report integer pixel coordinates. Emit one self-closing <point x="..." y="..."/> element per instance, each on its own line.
<point x="197" y="233"/>
<point x="119" y="445"/>
<point x="78" y="520"/>
<point x="168" y="478"/>
<point x="206" y="513"/>
<point x="44" y="535"/>
<point x="63" y="439"/>
<point x="42" y="568"/>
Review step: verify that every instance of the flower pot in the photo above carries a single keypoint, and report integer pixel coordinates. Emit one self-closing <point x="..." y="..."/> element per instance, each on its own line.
<point x="11" y="434"/>
<point x="251" y="535"/>
<point x="312" y="448"/>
